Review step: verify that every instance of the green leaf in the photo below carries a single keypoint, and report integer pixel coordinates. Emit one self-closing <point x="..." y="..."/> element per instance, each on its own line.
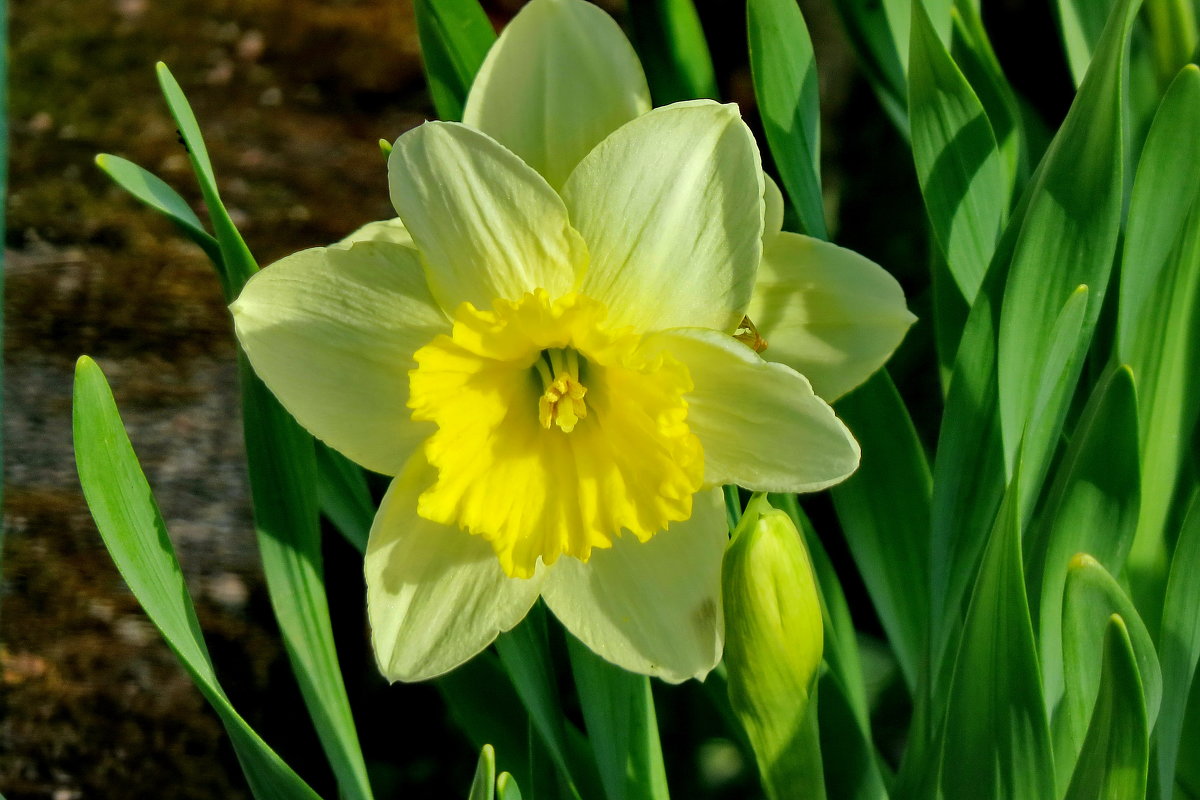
<point x="785" y="84"/>
<point x="1179" y="647"/>
<point x="1067" y="237"/>
<point x="1091" y="507"/>
<point x="283" y="476"/>
<point x="867" y="26"/>
<point x="482" y="702"/>
<point x="455" y="37"/>
<point x="972" y="52"/>
<point x="344" y="497"/>
<point x="1116" y="752"/>
<point x="283" y="487"/>
<point x="1158" y="315"/>
<point x="133" y="531"/>
<point x="959" y="165"/>
<point x="506" y="787"/>
<point x="524" y="652"/>
<point x="483" y="785"/>
<point x="1092" y="596"/>
<point x="1068" y="345"/>
<point x="851" y="765"/>
<point x="996" y="742"/>
<point x="884" y="512"/>
<point x="236" y="264"/>
<point x="152" y="191"/>
<point x="900" y="14"/>
<point x="1081" y="23"/>
<point x="618" y="710"/>
<point x="670" y="44"/>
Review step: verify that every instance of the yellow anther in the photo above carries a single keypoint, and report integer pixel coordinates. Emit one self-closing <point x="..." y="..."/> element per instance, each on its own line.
<point x="561" y="402"/>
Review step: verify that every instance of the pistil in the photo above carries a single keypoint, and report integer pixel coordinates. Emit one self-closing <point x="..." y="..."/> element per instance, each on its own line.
<point x="561" y="402"/>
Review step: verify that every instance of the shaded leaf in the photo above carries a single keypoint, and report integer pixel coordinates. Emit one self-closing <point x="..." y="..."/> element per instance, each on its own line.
<point x="455" y="37"/>
<point x="671" y="46"/>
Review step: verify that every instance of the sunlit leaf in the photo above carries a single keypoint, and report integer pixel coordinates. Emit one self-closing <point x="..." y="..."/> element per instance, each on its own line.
<point x="996" y="742"/>
<point x="455" y="36"/>
<point x="1092" y="596"/>
<point x="1158" y="315"/>
<point x="136" y="537"/>
<point x="785" y="84"/>
<point x="1115" y="756"/>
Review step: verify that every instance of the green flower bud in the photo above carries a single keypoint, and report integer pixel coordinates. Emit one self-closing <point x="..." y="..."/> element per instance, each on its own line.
<point x="773" y="645"/>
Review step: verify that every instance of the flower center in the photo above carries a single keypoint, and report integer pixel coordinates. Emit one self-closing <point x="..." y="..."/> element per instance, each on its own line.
<point x="561" y="402"/>
<point x="630" y="465"/>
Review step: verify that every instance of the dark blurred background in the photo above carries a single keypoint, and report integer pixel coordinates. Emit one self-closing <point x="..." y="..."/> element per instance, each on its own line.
<point x="292" y="96"/>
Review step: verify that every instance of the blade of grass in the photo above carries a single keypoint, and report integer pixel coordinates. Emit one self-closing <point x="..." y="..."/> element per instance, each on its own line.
<point x="134" y="533"/>
<point x="455" y="36"/>
<point x="671" y="46"/>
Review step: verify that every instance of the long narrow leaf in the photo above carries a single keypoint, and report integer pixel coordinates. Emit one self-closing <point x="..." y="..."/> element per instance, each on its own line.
<point x="884" y="512"/>
<point x="996" y="741"/>
<point x="785" y="84"/>
<point x="1068" y="234"/>
<point x="1115" y="756"/>
<point x="959" y="164"/>
<point x="671" y="46"/>
<point x="1158" y="316"/>
<point x="455" y="37"/>
<point x="1092" y="596"/>
<point x="1179" y="649"/>
<point x="283" y="487"/>
<point x="1091" y="507"/>
<point x="136" y="537"/>
<point x="618" y="710"/>
<point x="152" y="191"/>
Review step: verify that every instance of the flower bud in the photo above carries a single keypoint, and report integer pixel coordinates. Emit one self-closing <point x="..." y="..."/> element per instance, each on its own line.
<point x="773" y="645"/>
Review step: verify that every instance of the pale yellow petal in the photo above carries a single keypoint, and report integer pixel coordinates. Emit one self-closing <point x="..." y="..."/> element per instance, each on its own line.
<point x="384" y="230"/>
<point x="827" y="312"/>
<point x="487" y="225"/>
<point x="671" y="207"/>
<point x="436" y="595"/>
<point x="332" y="332"/>
<point x="651" y="607"/>
<point x="560" y="78"/>
<point x="760" y="424"/>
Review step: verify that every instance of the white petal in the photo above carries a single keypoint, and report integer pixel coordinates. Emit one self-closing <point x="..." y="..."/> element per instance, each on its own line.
<point x="332" y="331"/>
<point x="652" y="607"/>
<point x="436" y="595"/>
<point x="760" y="423"/>
<point x="560" y="78"/>
<point x="671" y="208"/>
<point x="487" y="225"/>
<point x="827" y="312"/>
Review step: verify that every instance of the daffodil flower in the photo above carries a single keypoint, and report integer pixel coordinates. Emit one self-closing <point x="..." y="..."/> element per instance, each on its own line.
<point x="545" y="360"/>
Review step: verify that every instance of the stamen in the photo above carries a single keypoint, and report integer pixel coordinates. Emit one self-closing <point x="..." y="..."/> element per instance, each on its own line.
<point x="747" y="334"/>
<point x="561" y="402"/>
